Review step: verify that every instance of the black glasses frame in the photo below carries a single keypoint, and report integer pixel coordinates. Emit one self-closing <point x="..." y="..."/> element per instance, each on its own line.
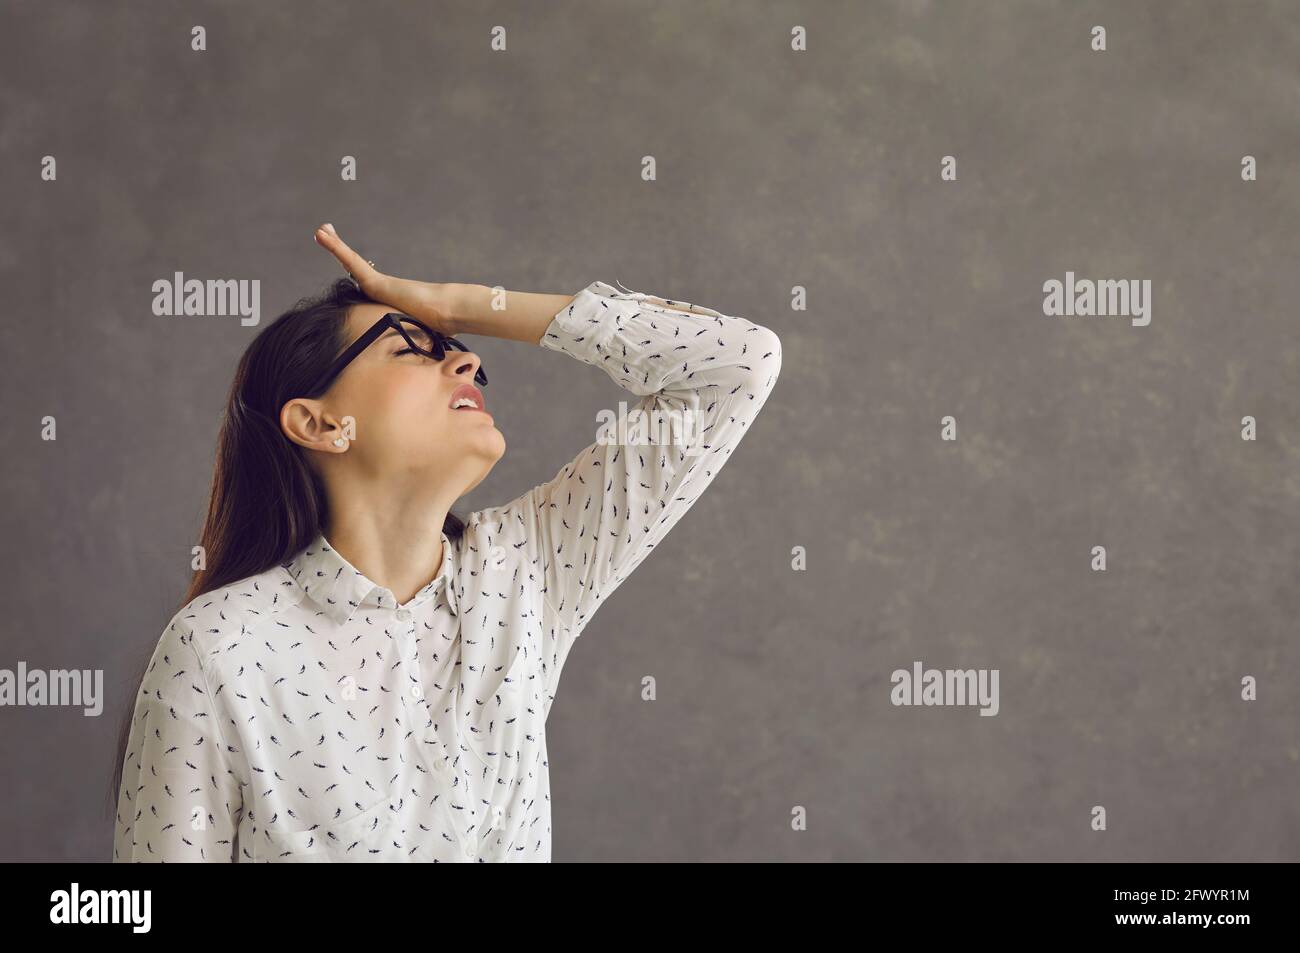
<point x="395" y="319"/>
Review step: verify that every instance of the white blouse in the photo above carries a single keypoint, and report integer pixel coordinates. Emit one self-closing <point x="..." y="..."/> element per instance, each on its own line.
<point x="303" y="715"/>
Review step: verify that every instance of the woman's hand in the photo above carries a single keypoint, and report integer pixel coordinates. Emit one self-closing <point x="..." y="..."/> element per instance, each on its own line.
<point x="429" y="302"/>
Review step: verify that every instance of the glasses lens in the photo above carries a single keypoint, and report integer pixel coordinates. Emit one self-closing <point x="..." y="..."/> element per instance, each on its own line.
<point x="435" y="344"/>
<point x="426" y="341"/>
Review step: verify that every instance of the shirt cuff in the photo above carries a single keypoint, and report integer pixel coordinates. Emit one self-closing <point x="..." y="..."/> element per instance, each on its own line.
<point x="584" y="326"/>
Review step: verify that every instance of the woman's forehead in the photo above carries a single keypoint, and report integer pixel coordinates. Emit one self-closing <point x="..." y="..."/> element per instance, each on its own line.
<point x="362" y="316"/>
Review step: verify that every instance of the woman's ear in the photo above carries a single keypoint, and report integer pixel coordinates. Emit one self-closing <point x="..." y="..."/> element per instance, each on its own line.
<point x="307" y="424"/>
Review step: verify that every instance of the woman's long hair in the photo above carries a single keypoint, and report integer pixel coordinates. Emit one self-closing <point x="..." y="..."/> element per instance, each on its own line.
<point x="266" y="502"/>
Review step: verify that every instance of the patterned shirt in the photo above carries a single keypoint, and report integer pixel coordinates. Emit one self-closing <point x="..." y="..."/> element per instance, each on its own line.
<point x="302" y="714"/>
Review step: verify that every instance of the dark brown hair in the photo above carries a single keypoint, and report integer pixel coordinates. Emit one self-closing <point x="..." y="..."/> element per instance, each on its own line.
<point x="266" y="502"/>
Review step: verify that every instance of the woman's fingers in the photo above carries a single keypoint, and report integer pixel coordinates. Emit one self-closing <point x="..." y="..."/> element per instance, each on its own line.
<point x="415" y="298"/>
<point x="329" y="239"/>
<point x="353" y="263"/>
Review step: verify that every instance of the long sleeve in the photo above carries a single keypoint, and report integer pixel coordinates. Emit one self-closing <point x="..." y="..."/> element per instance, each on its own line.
<point x="595" y="521"/>
<point x="180" y="798"/>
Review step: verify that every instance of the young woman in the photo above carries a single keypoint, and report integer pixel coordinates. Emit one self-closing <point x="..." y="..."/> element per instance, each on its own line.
<point x="357" y="674"/>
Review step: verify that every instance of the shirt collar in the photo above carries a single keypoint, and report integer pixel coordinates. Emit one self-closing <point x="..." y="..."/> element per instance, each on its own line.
<point x="339" y="589"/>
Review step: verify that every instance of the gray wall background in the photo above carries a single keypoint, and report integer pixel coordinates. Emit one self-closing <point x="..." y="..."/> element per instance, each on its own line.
<point x="775" y="169"/>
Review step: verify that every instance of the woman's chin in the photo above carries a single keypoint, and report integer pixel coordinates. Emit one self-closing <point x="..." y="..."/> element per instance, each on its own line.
<point x="491" y="442"/>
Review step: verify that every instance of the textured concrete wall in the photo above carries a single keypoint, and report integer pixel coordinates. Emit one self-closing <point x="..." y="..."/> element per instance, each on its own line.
<point x="775" y="170"/>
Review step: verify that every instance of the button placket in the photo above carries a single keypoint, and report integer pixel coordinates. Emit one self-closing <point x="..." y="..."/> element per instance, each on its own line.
<point x="416" y="705"/>
<point x="404" y="632"/>
<point x="433" y="758"/>
<point x="414" y="688"/>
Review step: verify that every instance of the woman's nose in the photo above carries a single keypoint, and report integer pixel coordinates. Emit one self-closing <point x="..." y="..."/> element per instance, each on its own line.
<point x="465" y="363"/>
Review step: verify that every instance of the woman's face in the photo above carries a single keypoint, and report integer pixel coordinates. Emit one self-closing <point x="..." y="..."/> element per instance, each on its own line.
<point x="401" y="405"/>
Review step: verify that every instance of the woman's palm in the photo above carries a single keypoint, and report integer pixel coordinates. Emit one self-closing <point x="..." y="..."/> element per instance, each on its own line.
<point x="419" y="299"/>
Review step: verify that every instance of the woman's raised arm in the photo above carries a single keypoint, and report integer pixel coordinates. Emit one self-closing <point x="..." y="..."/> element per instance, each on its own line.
<point x="701" y="377"/>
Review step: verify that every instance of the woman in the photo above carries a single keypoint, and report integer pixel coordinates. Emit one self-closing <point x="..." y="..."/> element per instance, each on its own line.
<point x="357" y="674"/>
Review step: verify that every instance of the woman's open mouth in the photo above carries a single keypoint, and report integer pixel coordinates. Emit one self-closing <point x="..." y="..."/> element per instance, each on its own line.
<point x="468" y="397"/>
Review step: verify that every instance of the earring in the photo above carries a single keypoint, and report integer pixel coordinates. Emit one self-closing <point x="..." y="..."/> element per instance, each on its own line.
<point x="340" y="442"/>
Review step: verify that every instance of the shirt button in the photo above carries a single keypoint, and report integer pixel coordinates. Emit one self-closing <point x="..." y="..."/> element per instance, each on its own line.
<point x="469" y="850"/>
<point x="404" y="615"/>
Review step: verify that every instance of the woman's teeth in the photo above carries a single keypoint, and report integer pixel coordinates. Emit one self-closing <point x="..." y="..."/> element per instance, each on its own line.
<point x="463" y="402"/>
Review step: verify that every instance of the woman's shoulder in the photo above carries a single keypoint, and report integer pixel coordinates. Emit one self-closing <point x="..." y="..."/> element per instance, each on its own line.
<point x="233" y="609"/>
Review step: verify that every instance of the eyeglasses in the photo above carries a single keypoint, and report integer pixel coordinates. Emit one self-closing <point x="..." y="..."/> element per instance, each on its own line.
<point x="420" y="337"/>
